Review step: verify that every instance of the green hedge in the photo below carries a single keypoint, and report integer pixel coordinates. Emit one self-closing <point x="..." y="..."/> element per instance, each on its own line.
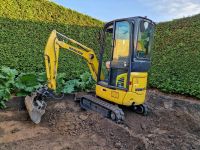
<point x="24" y="29"/>
<point x="176" y="57"/>
<point x="26" y="24"/>
<point x="45" y="11"/>
<point x="22" y="45"/>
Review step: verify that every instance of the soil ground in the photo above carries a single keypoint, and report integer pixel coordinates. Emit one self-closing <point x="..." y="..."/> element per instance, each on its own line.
<point x="173" y="123"/>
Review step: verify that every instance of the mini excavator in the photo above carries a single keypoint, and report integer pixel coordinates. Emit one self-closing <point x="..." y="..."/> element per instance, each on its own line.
<point x="120" y="73"/>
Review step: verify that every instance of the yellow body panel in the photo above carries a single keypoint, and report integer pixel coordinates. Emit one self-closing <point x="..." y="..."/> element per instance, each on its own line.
<point x="115" y="96"/>
<point x="135" y="95"/>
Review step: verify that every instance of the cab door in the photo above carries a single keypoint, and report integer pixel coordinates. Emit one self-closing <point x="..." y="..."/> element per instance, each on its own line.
<point x="119" y="66"/>
<point x="115" y="62"/>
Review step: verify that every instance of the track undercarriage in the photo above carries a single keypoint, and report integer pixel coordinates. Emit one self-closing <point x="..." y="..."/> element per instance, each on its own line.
<point x="37" y="103"/>
<point x="106" y="109"/>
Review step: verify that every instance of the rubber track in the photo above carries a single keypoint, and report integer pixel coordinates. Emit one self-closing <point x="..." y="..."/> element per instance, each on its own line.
<point x="103" y="105"/>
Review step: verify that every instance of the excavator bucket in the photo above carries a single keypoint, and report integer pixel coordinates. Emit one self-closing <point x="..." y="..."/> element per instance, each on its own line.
<point x="36" y="108"/>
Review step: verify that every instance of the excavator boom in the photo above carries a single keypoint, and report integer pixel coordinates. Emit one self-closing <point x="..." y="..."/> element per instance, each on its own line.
<point x="52" y="54"/>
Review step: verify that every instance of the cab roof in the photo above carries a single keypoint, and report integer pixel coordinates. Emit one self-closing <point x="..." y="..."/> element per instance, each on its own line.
<point x="130" y="19"/>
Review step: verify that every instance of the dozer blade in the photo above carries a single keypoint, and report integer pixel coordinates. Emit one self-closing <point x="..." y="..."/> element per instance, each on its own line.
<point x="35" y="108"/>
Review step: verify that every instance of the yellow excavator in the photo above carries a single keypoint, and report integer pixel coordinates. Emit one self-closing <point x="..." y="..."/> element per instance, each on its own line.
<point x="120" y="73"/>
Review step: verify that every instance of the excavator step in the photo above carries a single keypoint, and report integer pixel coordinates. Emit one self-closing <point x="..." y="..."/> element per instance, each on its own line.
<point x="106" y="109"/>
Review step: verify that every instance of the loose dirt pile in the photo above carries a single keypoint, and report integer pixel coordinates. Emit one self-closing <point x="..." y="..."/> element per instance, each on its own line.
<point x="171" y="124"/>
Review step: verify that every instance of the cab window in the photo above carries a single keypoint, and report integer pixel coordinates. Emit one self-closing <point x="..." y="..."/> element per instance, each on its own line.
<point x="144" y="42"/>
<point x="121" y="49"/>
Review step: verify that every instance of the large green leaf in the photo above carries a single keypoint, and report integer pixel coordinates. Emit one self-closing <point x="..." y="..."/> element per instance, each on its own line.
<point x="42" y="78"/>
<point x="2" y="104"/>
<point x="5" y="94"/>
<point x="9" y="72"/>
<point x="7" y="77"/>
<point x="69" y="88"/>
<point x="27" y="82"/>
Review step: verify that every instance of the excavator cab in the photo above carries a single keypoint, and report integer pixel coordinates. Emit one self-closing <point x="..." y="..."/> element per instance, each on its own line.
<point x="126" y="46"/>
